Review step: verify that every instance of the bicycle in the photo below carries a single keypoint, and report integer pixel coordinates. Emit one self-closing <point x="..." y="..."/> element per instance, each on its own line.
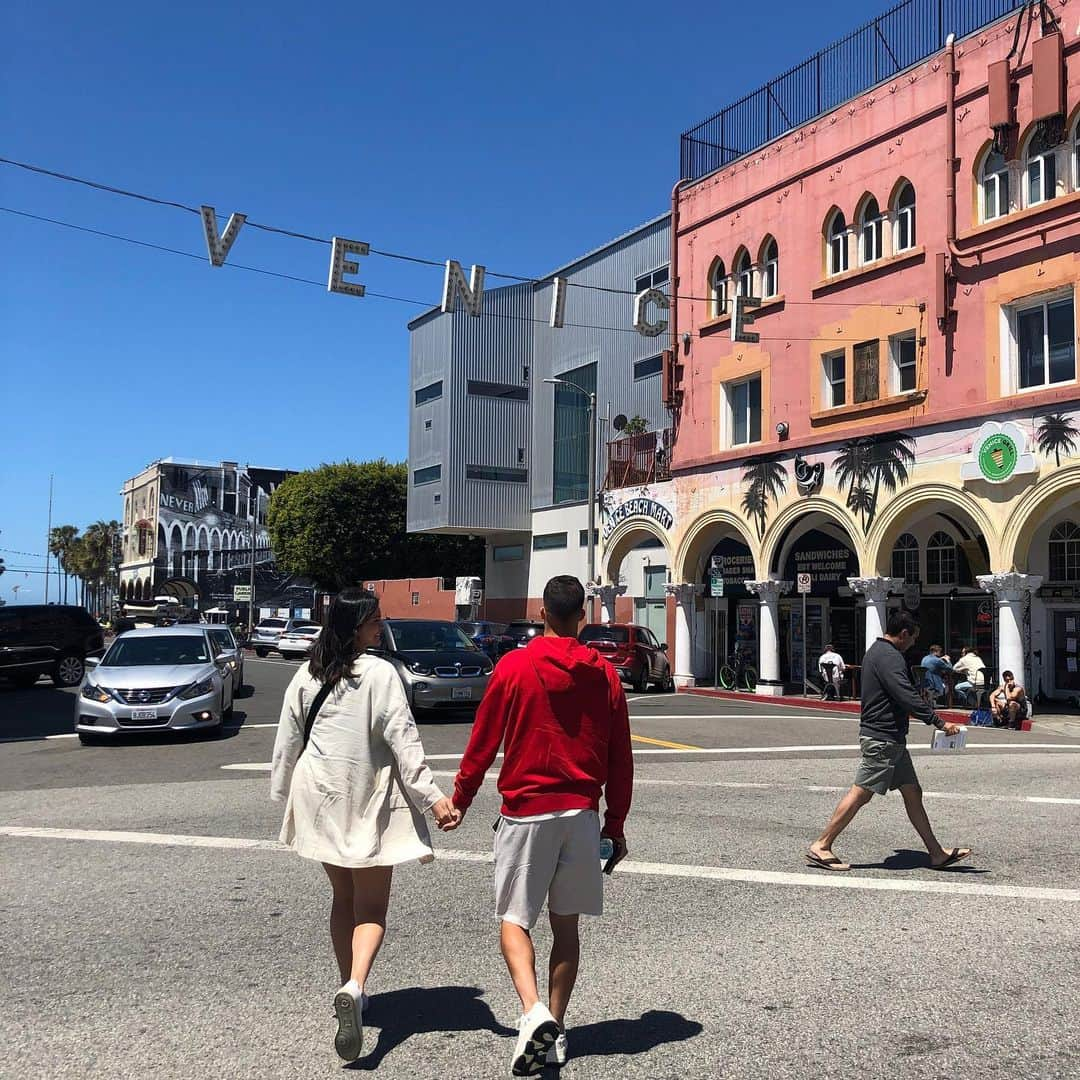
<point x="737" y="674"/>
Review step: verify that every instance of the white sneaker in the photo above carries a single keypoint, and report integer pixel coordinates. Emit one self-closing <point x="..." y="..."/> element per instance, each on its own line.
<point x="537" y="1032"/>
<point x="558" y="1053"/>
<point x="348" y="1007"/>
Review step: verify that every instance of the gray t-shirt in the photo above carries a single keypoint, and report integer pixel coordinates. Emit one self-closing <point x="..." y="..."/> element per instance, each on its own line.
<point x="889" y="696"/>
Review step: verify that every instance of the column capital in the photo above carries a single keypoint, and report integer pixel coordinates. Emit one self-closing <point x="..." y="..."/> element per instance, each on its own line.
<point x="1010" y="587"/>
<point x="684" y="592"/>
<point x="770" y="591"/>
<point x="606" y="593"/>
<point x="876" y="589"/>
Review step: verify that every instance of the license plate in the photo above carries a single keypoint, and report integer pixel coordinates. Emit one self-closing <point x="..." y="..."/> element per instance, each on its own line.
<point x="462" y="693"/>
<point x="144" y="714"/>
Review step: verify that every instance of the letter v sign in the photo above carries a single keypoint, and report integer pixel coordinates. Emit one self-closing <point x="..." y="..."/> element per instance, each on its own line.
<point x="218" y="247"/>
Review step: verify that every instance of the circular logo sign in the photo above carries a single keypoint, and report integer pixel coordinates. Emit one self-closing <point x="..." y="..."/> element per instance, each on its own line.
<point x="997" y="457"/>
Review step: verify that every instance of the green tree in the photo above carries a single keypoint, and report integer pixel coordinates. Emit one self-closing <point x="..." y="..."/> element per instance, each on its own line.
<point x="344" y="523"/>
<point x="1057" y="434"/>
<point x="61" y="540"/>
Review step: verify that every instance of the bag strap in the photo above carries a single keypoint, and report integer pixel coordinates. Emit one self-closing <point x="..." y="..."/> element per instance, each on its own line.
<point x="316" y="705"/>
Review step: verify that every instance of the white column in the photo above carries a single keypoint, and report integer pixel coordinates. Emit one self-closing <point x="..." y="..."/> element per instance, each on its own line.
<point x="876" y="591"/>
<point x="769" y="683"/>
<point x="686" y="599"/>
<point x="1012" y="591"/>
<point x="608" y="595"/>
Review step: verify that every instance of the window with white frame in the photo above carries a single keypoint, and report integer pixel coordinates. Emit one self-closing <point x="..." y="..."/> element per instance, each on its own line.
<point x="905" y="559"/>
<point x="717" y="289"/>
<point x="1043" y="341"/>
<point x="838" y="247"/>
<point x="744" y="275"/>
<point x="941" y="560"/>
<point x="1065" y="552"/>
<point x="770" y="269"/>
<point x="744" y="400"/>
<point x="994" y="186"/>
<point x="904" y="231"/>
<point x="1040" y="170"/>
<point x="905" y="372"/>
<point x="871" y="231"/>
<point x="834" y="369"/>
<point x="655" y="279"/>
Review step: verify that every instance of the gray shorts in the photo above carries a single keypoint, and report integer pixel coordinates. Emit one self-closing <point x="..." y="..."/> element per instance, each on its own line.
<point x="557" y="860"/>
<point x="885" y="766"/>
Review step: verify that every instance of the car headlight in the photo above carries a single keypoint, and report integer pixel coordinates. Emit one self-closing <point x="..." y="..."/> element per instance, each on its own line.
<point x="93" y="692"/>
<point x="197" y="689"/>
<point x="418" y="668"/>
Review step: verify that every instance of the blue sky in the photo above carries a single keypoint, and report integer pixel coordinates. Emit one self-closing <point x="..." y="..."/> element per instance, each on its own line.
<point x="515" y="140"/>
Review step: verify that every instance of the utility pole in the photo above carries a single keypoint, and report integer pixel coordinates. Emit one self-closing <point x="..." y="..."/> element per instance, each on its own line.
<point x="251" y="602"/>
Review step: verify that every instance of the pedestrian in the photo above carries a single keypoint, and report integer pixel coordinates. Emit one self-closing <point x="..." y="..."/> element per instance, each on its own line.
<point x="559" y="712"/>
<point x="1009" y="703"/>
<point x="831" y="668"/>
<point x="349" y="764"/>
<point x="888" y="699"/>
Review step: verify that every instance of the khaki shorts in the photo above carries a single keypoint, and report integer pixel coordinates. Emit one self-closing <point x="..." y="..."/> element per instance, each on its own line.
<point x="885" y="766"/>
<point x="557" y="860"/>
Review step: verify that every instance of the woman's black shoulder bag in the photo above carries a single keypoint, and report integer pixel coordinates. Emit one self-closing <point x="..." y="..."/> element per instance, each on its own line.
<point x="316" y="705"/>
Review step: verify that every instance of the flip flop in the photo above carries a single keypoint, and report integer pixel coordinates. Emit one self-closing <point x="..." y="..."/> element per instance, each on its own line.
<point x="834" y="864"/>
<point x="953" y="856"/>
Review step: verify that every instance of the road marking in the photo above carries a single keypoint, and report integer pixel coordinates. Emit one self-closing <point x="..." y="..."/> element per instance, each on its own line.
<point x="668" y="870"/>
<point x="661" y="742"/>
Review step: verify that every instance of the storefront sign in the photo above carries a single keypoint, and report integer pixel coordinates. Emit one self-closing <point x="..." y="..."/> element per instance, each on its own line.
<point x="716" y="576"/>
<point x="732" y="560"/>
<point x="825" y="559"/>
<point x="646" y="508"/>
<point x="999" y="453"/>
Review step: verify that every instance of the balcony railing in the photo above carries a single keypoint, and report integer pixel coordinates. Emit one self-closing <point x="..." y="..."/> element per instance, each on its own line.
<point x="904" y="36"/>
<point x="636" y="460"/>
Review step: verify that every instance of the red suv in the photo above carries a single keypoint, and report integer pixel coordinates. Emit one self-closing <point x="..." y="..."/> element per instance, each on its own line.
<point x="633" y="651"/>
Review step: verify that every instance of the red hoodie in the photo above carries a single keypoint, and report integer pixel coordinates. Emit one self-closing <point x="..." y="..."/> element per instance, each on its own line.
<point x="562" y="712"/>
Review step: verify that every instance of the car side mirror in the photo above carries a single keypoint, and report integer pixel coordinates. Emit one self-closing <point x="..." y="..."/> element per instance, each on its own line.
<point x="92" y="662"/>
<point x="227" y="655"/>
<point x="663" y="645"/>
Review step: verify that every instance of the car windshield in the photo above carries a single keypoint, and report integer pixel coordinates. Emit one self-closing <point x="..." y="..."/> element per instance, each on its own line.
<point x="618" y="634"/>
<point x="166" y="650"/>
<point x="272" y="624"/>
<point x="223" y="638"/>
<point x="428" y="637"/>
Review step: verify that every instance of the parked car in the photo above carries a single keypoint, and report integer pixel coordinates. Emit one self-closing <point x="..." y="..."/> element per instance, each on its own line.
<point x="489" y="637"/>
<point x="633" y="651"/>
<point x="226" y="642"/>
<point x="265" y="636"/>
<point x="53" y="640"/>
<point x="172" y="678"/>
<point x="520" y="632"/>
<point x="439" y="666"/>
<point x="298" y="642"/>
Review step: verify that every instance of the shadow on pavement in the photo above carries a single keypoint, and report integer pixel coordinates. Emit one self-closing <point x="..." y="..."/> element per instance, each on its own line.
<point x="906" y="859"/>
<point x="38" y="711"/>
<point x="400" y="1014"/>
<point x="610" y="1037"/>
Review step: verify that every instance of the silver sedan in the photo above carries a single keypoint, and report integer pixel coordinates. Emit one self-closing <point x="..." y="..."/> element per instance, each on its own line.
<point x="164" y="679"/>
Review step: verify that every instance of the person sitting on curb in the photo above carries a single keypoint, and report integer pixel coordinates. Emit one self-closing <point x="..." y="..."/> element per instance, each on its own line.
<point x="1008" y="703"/>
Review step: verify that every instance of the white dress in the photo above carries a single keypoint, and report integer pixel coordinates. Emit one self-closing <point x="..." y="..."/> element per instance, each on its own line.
<point x="358" y="794"/>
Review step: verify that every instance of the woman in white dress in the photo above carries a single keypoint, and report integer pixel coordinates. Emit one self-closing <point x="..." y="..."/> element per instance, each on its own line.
<point x="357" y="792"/>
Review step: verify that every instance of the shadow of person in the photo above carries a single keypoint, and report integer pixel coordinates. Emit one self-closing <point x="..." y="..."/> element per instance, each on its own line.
<point x="907" y="859"/>
<point x="609" y="1037"/>
<point x="416" y="1010"/>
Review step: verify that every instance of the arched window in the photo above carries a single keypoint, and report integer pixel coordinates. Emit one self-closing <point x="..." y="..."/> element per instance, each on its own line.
<point x="905" y="559"/>
<point x="994" y="186"/>
<point x="1040" y="170"/>
<point x="717" y="289"/>
<point x="941" y="560"/>
<point x="904" y="233"/>
<point x="837" y="240"/>
<point x="1065" y="552"/>
<point x="770" y="268"/>
<point x="1076" y="156"/>
<point x="744" y="274"/>
<point x="870" y="232"/>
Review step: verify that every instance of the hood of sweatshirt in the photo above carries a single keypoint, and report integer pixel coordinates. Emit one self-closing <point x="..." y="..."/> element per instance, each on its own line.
<point x="562" y="663"/>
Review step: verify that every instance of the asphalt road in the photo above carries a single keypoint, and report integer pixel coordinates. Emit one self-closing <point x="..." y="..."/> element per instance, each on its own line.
<point x="152" y="927"/>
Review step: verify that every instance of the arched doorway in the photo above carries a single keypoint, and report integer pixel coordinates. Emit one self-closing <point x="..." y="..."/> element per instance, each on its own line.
<point x="637" y="562"/>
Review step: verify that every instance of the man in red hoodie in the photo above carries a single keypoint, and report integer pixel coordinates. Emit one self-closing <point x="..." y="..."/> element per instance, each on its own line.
<point x="559" y="711"/>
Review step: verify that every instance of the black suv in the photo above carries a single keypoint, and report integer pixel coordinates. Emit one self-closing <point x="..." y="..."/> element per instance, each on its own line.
<point x="53" y="640"/>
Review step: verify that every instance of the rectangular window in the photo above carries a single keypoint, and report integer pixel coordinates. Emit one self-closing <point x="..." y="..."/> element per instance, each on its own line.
<point x="995" y="196"/>
<point x="415" y="599"/>
<point x="495" y="472"/>
<point x="549" y="541"/>
<point x="746" y="412"/>
<point x="427" y="476"/>
<point x="508" y="553"/>
<point x="431" y="392"/>
<point x="427" y="425"/>
<point x="583" y="537"/>
<point x="866" y="372"/>
<point x="1045" y="342"/>
<point x="570" y="436"/>
<point x="655" y="279"/>
<point x="644" y="368"/>
<point x="479" y="388"/>
<point x="905" y="369"/>
<point x="835" y="370"/>
<point x="1042" y="178"/>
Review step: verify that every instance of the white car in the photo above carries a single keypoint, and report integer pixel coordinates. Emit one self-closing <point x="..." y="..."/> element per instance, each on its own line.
<point x="297" y="643"/>
<point x="266" y="636"/>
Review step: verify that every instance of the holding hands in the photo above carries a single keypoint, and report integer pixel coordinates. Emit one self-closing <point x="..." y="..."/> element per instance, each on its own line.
<point x="447" y="816"/>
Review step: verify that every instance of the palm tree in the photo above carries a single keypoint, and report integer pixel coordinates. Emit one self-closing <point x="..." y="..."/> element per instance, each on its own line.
<point x="1057" y="434"/>
<point x="865" y="465"/>
<point x="766" y="480"/>
<point x="98" y="558"/>
<point x="60" y="540"/>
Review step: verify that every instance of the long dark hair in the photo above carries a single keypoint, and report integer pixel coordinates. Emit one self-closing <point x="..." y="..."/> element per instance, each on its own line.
<point x="335" y="650"/>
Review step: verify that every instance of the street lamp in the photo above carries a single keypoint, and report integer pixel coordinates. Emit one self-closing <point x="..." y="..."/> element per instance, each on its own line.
<point x="590" y="397"/>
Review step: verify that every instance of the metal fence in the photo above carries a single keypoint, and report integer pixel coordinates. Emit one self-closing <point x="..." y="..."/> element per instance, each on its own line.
<point x="891" y="43"/>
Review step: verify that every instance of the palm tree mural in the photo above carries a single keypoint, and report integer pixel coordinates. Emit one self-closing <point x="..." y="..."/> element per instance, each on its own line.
<point x="766" y="480"/>
<point x="1057" y="435"/>
<point x="865" y="466"/>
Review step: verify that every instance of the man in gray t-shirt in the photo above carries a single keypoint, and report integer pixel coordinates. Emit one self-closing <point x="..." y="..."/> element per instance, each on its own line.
<point x="888" y="700"/>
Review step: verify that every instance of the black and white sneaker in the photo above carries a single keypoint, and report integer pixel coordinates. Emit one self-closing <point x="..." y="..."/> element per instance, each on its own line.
<point x="537" y="1032"/>
<point x="348" y="1007"/>
<point x="559" y="1052"/>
